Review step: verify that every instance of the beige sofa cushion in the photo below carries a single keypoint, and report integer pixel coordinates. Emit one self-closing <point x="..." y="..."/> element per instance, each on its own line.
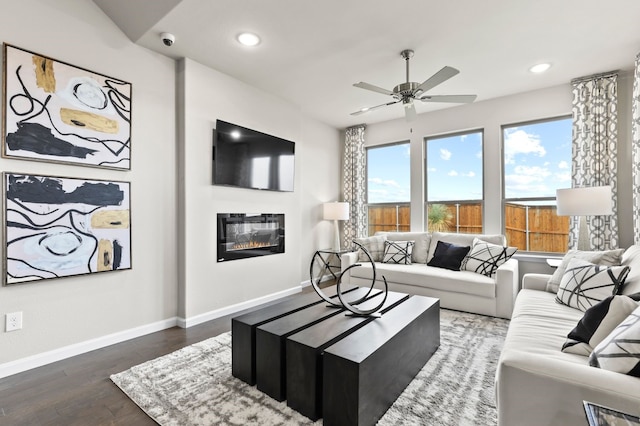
<point x="421" y="240"/>
<point x="540" y="326"/>
<point x="430" y="277"/>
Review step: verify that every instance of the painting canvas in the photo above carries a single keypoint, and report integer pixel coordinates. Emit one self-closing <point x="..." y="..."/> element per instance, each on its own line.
<point x="54" y="111"/>
<point x="58" y="227"/>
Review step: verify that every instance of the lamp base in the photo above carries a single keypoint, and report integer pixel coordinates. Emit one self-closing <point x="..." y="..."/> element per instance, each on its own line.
<point x="584" y="242"/>
<point x="336" y="236"/>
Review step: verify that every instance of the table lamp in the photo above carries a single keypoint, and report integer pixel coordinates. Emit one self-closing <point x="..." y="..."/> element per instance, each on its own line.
<point x="336" y="211"/>
<point x="587" y="201"/>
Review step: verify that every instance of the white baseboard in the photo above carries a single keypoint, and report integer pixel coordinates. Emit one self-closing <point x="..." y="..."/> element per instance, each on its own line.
<point x="20" y="365"/>
<point x="307" y="283"/>
<point x="24" y="364"/>
<point x="228" y="310"/>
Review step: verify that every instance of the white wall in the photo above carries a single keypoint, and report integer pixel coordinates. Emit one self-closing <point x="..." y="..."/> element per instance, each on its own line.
<point x="207" y="284"/>
<point x="68" y="311"/>
<point x="173" y="204"/>
<point x="489" y="116"/>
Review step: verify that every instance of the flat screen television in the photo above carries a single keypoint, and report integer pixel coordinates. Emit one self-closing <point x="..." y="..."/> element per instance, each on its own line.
<point x="247" y="158"/>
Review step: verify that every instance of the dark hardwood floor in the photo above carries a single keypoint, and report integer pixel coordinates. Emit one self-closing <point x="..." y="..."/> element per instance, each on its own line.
<point x="78" y="391"/>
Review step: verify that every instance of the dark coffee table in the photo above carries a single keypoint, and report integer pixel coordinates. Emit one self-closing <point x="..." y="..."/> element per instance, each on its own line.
<point x="346" y="369"/>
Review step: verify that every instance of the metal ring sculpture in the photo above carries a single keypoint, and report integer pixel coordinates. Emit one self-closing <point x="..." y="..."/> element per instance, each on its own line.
<point x="343" y="303"/>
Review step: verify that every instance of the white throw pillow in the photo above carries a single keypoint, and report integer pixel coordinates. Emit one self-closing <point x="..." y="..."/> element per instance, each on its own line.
<point x="485" y="258"/>
<point x="398" y="252"/>
<point x="420" y="248"/>
<point x="619" y="350"/>
<point x="597" y="323"/>
<point x="375" y="247"/>
<point x="585" y="284"/>
<point x="607" y="257"/>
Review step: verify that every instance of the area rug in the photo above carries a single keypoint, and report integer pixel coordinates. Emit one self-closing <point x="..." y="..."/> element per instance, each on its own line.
<point x="194" y="385"/>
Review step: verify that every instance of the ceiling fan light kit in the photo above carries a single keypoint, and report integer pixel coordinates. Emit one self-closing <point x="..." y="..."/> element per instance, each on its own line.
<point x="409" y="91"/>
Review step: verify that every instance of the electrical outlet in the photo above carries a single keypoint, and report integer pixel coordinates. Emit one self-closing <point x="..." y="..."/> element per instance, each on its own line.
<point x="13" y="321"/>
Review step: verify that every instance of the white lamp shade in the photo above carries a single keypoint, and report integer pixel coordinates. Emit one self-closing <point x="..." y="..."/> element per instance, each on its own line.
<point x="336" y="211"/>
<point x="589" y="201"/>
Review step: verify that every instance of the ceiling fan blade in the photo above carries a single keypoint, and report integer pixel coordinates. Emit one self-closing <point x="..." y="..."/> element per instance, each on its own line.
<point x="373" y="88"/>
<point x="461" y="99"/>
<point x="409" y="111"/>
<point x="440" y="77"/>
<point x="363" y="110"/>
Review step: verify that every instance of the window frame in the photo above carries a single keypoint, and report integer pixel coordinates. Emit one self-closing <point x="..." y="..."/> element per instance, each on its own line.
<point x="504" y="199"/>
<point x="425" y="169"/>
<point x="396" y="203"/>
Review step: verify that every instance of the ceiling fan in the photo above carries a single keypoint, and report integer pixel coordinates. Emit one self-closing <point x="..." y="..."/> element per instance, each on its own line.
<point x="410" y="91"/>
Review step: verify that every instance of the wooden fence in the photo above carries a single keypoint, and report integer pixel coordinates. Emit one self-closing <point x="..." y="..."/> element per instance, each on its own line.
<point x="389" y="217"/>
<point x="529" y="228"/>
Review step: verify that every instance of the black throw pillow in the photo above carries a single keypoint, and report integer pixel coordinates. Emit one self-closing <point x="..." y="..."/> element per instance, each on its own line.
<point x="448" y="256"/>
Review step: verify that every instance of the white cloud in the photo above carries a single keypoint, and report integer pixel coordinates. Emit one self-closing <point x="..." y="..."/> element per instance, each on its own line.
<point x="479" y="154"/>
<point x="528" y="181"/>
<point x="389" y="182"/>
<point x="532" y="171"/>
<point x="563" y="165"/>
<point x="520" y="142"/>
<point x="526" y="175"/>
<point x="452" y="173"/>
<point x="563" y="177"/>
<point x="431" y="169"/>
<point x="470" y="174"/>
<point x="445" y="154"/>
<point x="528" y="190"/>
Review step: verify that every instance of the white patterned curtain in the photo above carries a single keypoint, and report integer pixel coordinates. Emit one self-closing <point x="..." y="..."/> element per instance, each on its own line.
<point x="594" y="152"/>
<point x="635" y="152"/>
<point x="355" y="185"/>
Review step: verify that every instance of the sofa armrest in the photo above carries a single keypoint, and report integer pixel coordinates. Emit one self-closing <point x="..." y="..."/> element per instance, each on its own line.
<point x="346" y="260"/>
<point x="535" y="281"/>
<point x="507" y="286"/>
<point x="539" y="389"/>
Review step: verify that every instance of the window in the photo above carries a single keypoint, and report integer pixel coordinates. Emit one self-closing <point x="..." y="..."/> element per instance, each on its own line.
<point x="389" y="188"/>
<point x="454" y="183"/>
<point x="537" y="161"/>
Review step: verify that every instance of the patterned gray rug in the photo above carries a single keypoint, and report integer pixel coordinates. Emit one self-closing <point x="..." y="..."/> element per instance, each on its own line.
<point x="194" y="385"/>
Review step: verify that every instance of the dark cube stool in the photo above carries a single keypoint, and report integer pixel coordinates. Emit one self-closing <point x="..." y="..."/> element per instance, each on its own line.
<point x="304" y="349"/>
<point x="366" y="371"/>
<point x="243" y="330"/>
<point x="271" y="338"/>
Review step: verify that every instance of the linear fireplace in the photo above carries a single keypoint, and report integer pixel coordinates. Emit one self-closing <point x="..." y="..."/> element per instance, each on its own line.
<point x="249" y="235"/>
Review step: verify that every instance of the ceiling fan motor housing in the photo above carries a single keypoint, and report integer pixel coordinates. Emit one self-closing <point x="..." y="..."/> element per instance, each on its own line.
<point x="405" y="89"/>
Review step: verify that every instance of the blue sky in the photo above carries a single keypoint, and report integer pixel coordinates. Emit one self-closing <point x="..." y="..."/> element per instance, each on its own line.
<point x="537" y="162"/>
<point x="454" y="167"/>
<point x="537" y="159"/>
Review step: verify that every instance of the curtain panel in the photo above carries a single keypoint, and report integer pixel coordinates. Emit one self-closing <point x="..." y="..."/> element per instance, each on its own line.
<point x="635" y="151"/>
<point x="594" y="151"/>
<point x="354" y="185"/>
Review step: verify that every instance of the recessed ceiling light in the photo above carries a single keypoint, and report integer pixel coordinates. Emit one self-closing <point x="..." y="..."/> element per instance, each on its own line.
<point x="248" y="39"/>
<point x="538" y="68"/>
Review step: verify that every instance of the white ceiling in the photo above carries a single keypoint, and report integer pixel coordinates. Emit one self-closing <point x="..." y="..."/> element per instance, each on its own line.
<point x="313" y="51"/>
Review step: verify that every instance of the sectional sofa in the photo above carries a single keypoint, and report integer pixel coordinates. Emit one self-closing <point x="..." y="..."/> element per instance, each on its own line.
<point x="539" y="384"/>
<point x="464" y="290"/>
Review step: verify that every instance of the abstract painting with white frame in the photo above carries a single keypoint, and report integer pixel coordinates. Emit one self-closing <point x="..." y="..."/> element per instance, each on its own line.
<point x="58" y="227"/>
<point x="58" y="112"/>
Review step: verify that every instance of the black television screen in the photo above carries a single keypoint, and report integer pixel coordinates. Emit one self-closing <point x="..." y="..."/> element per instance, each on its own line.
<point x="250" y="159"/>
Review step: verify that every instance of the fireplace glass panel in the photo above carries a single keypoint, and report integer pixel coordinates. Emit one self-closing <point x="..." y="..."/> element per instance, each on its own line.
<point x="242" y="236"/>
